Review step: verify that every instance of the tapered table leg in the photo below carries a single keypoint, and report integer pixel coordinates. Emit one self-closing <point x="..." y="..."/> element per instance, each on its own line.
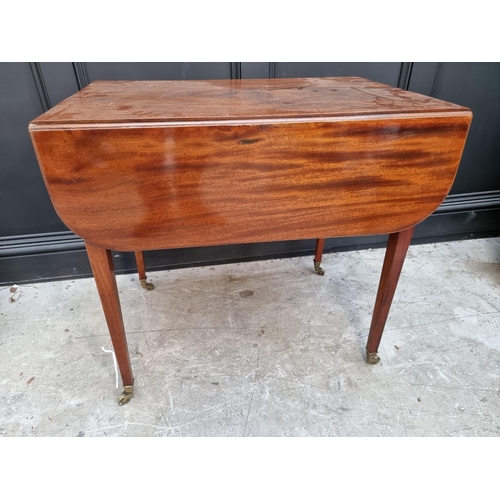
<point x="318" y="255"/>
<point x="395" y="254"/>
<point x="101" y="262"/>
<point x="141" y="268"/>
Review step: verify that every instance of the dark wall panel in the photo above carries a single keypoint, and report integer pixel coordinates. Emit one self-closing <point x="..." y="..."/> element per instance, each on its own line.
<point x="255" y="69"/>
<point x="25" y="206"/>
<point x="59" y="80"/>
<point x="157" y="71"/>
<point x="476" y="85"/>
<point x="380" y="72"/>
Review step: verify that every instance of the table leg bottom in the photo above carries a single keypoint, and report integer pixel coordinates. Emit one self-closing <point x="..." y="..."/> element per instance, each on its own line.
<point x="146" y="284"/>
<point x="372" y="357"/>
<point x="395" y="254"/>
<point x="126" y="395"/>
<point x="141" y="268"/>
<point x="318" y="268"/>
<point x="102" y="265"/>
<point x="318" y="254"/>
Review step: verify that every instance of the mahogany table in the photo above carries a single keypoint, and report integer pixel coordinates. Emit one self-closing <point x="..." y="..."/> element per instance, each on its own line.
<point x="145" y="165"/>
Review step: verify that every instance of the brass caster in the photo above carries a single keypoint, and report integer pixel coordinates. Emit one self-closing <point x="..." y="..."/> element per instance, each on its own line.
<point x="318" y="268"/>
<point x="146" y="285"/>
<point x="372" y="358"/>
<point x="124" y="398"/>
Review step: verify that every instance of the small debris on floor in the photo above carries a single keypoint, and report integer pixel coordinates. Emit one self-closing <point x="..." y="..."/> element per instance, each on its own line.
<point x="16" y="296"/>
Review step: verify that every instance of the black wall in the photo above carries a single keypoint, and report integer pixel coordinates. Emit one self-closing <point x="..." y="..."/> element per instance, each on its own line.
<point x="35" y="245"/>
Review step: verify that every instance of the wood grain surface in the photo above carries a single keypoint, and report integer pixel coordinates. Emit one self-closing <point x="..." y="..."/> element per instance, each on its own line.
<point x="168" y="187"/>
<point x="125" y="102"/>
<point x="395" y="255"/>
<point x="101" y="262"/>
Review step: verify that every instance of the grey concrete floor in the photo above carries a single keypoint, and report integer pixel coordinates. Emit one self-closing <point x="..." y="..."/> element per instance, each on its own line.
<point x="263" y="349"/>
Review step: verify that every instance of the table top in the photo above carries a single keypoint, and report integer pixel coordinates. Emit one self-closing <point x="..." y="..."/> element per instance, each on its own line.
<point x="122" y="103"/>
<point x="173" y="164"/>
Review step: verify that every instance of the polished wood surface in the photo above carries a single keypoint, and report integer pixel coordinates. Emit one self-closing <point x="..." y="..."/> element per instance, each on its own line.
<point x="101" y="262"/>
<point x="318" y="252"/>
<point x="189" y="186"/>
<point x="395" y="254"/>
<point x="136" y="166"/>
<point x="174" y="102"/>
<point x="141" y="268"/>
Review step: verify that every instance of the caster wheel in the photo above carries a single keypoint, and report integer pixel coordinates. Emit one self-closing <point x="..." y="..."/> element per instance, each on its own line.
<point x="126" y="395"/>
<point x="146" y="285"/>
<point x="372" y="358"/>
